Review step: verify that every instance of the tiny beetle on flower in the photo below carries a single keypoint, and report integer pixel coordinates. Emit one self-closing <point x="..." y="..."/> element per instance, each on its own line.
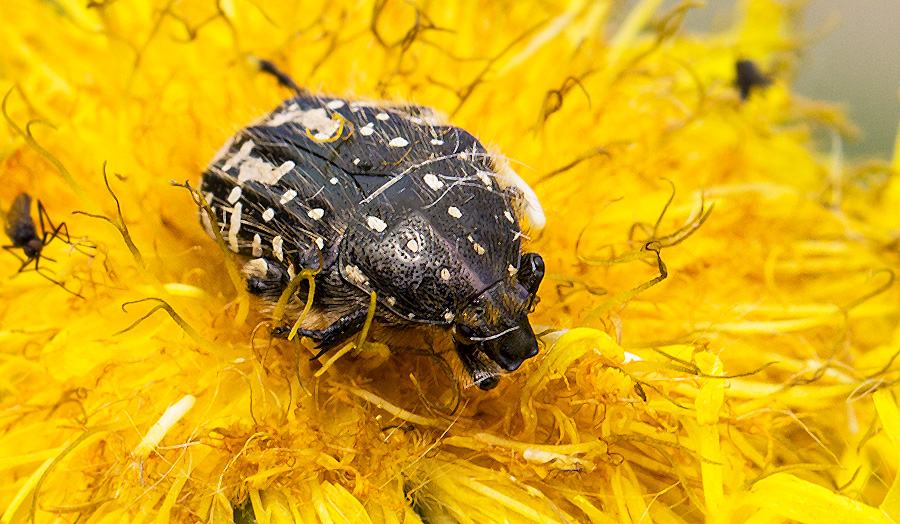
<point x="395" y="201"/>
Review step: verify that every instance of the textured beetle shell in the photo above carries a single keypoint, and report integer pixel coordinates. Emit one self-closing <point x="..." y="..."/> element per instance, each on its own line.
<point x="397" y="201"/>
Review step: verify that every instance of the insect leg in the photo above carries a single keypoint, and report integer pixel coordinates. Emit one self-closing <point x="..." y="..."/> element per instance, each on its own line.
<point x="61" y="232"/>
<point x="11" y="249"/>
<point x="335" y="334"/>
<point x="56" y="231"/>
<point x="58" y="283"/>
<point x="479" y="367"/>
<point x="26" y="261"/>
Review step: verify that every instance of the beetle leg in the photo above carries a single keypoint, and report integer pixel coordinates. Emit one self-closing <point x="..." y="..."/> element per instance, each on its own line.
<point x="483" y="372"/>
<point x="333" y="335"/>
<point x="531" y="272"/>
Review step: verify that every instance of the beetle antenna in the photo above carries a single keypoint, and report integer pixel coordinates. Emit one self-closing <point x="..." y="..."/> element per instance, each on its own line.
<point x="283" y="78"/>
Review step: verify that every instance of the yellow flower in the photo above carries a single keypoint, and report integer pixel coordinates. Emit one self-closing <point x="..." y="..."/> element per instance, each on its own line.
<point x="753" y="382"/>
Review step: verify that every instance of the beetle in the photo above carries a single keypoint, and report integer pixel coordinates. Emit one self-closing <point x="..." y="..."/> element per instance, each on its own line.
<point x="395" y="200"/>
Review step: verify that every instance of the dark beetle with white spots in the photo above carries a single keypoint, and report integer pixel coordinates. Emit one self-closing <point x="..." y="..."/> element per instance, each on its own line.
<point x="397" y="202"/>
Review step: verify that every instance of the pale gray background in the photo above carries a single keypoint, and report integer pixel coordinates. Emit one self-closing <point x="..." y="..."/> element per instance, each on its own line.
<point x="857" y="62"/>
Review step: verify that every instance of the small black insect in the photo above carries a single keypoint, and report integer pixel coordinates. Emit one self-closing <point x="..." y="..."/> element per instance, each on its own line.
<point x="22" y="231"/>
<point x="748" y="77"/>
<point x="397" y="202"/>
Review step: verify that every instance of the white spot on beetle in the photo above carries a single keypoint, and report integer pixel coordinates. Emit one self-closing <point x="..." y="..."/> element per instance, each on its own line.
<point x="235" y="227"/>
<point x="316" y="213"/>
<point x="486" y="177"/>
<point x="268" y="214"/>
<point x="355" y="161"/>
<point x="367" y="129"/>
<point x="317" y="121"/>
<point x="449" y="316"/>
<point x="354" y="274"/>
<point x="207" y="225"/>
<point x="320" y="243"/>
<point x="376" y="224"/>
<point x="356" y="105"/>
<point x="390" y="301"/>
<point x="454" y="212"/>
<point x="283" y="117"/>
<point x="335" y="104"/>
<point x="333" y="181"/>
<point x="235" y="195"/>
<point x="278" y="248"/>
<point x="258" y="170"/>
<point x="242" y="154"/>
<point x="255" y="268"/>
<point x="478" y="248"/>
<point x="531" y="206"/>
<point x="288" y="195"/>
<point x="433" y="182"/>
<point x="512" y="270"/>
<point x="256" y="246"/>
<point x="508" y="216"/>
<point x="445" y="274"/>
<point x="432" y="118"/>
<point x="398" y="142"/>
<point x="291" y="272"/>
<point x="412" y="245"/>
<point x="437" y="142"/>
<point x="383" y="116"/>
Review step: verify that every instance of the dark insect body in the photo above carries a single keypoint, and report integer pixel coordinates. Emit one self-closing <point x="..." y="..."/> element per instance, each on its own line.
<point x="20" y="228"/>
<point x="23" y="232"/>
<point x="749" y="77"/>
<point x="397" y="202"/>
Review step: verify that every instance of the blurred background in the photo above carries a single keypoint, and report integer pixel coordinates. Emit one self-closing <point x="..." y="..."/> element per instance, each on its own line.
<point x="853" y="58"/>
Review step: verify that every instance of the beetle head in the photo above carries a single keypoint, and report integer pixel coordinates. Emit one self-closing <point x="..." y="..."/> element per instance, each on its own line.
<point x="492" y="329"/>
